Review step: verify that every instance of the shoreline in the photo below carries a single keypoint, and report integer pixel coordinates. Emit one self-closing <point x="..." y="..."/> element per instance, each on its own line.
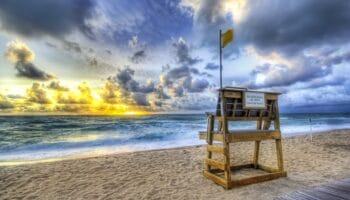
<point x="177" y="173"/>
<point x="58" y="159"/>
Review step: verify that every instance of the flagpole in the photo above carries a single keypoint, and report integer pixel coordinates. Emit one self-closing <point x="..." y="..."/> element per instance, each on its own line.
<point x="220" y="61"/>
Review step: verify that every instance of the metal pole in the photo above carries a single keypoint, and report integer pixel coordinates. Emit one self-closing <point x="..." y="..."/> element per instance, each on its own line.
<point x="220" y="61"/>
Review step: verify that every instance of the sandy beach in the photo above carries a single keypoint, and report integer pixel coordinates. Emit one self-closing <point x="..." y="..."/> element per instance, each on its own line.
<point x="177" y="173"/>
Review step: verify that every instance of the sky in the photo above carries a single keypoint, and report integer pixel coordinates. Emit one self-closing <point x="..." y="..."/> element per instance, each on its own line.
<point x="150" y="56"/>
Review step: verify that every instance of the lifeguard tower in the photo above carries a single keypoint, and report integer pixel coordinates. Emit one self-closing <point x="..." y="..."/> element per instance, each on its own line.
<point x="241" y="104"/>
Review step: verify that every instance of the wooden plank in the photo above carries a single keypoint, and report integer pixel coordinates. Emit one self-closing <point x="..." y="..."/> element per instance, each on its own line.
<point x="256" y="153"/>
<point x="251" y="136"/>
<point x="257" y="179"/>
<point x="337" y="190"/>
<point x="271" y="97"/>
<point x="341" y="188"/>
<point x="301" y="195"/>
<point x="215" y="163"/>
<point x="277" y="117"/>
<point x="232" y="94"/>
<point x="267" y="168"/>
<point x="279" y="155"/>
<point x="234" y="108"/>
<point x="227" y="171"/>
<point x="216" y="179"/>
<point x="235" y="167"/>
<point x="334" y="193"/>
<point x="210" y="129"/>
<point x="219" y="118"/>
<point x="243" y="136"/>
<point x="321" y="195"/>
<point x="216" y="149"/>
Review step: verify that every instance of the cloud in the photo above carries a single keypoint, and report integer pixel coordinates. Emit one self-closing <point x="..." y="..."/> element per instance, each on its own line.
<point x="37" y="94"/>
<point x="83" y="97"/>
<point x="72" y="46"/>
<point x="300" y="69"/>
<point x="5" y="104"/>
<point x="128" y="87"/>
<point x="33" y="18"/>
<point x="55" y="85"/>
<point x="291" y="27"/>
<point x="140" y="99"/>
<point x="198" y="85"/>
<point x="125" y="79"/>
<point x="212" y="66"/>
<point x="177" y="91"/>
<point x="111" y="93"/>
<point x="180" y="80"/>
<point x="154" y="22"/>
<point x="183" y="56"/>
<point x="138" y="56"/>
<point x="20" y="54"/>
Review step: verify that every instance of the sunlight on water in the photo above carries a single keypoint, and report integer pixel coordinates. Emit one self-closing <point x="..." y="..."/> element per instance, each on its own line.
<point x="81" y="138"/>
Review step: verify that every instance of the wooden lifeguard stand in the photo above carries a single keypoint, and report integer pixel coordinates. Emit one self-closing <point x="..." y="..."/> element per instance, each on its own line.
<point x="240" y="104"/>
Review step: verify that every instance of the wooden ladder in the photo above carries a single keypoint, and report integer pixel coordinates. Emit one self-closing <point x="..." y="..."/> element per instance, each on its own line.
<point x="223" y="149"/>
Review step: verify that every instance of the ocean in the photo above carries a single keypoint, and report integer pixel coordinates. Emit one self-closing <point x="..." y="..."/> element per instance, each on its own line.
<point x="25" y="139"/>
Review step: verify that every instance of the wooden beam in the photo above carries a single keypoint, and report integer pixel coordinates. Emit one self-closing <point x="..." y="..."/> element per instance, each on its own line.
<point x="216" y="149"/>
<point x="234" y="167"/>
<point x="271" y="96"/>
<point x="216" y="179"/>
<point x="267" y="168"/>
<point x="215" y="163"/>
<point x="219" y="118"/>
<point x="279" y="155"/>
<point x="209" y="137"/>
<point x="229" y="94"/>
<point x="242" y="136"/>
<point x="256" y="153"/>
<point x="257" y="179"/>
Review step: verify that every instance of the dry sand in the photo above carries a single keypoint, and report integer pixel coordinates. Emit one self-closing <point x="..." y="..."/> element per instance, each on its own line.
<point x="177" y="173"/>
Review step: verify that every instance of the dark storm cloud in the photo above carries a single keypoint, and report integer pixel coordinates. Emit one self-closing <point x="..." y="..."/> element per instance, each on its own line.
<point x="178" y="72"/>
<point x="183" y="56"/>
<point x="29" y="70"/>
<point x="311" y="35"/>
<point x="198" y="85"/>
<point x="140" y="99"/>
<point x="35" y="18"/>
<point x="138" y="56"/>
<point x="212" y="66"/>
<point x="22" y="57"/>
<point x="291" y="27"/>
<point x="180" y="79"/>
<point x="125" y="79"/>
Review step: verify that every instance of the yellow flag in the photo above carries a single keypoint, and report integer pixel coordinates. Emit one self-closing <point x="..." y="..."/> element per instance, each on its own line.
<point x="227" y="37"/>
